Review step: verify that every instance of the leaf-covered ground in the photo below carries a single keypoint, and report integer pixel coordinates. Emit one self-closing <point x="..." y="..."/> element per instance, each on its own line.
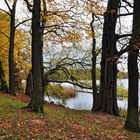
<point x="57" y="123"/>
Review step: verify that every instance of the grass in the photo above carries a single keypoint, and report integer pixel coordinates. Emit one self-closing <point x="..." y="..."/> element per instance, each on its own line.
<point x="8" y="102"/>
<point x="122" y="92"/>
<point x="57" y="123"/>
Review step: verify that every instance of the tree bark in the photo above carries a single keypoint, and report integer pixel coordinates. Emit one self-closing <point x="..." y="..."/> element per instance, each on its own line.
<point x="3" y="84"/>
<point x="11" y="50"/>
<point x="132" y="120"/>
<point x="93" y="71"/>
<point x="37" y="98"/>
<point x="29" y="84"/>
<point x="106" y="100"/>
<point x="17" y="79"/>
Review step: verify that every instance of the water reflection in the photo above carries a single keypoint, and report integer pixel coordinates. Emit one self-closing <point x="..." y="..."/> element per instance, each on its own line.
<point x="82" y="101"/>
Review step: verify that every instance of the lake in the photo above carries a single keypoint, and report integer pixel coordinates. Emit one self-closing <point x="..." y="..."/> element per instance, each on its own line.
<point x="84" y="101"/>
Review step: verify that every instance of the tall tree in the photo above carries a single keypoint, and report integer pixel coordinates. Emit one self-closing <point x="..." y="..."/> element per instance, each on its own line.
<point x="21" y="49"/>
<point x="37" y="98"/>
<point x="12" y="13"/>
<point x="11" y="49"/>
<point x="106" y="100"/>
<point x="11" y="6"/>
<point x="97" y="10"/>
<point x="132" y="112"/>
<point x="93" y="71"/>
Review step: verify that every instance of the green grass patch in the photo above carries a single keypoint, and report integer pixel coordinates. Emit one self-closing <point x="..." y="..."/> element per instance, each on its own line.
<point x="9" y="107"/>
<point x="14" y="104"/>
<point x="122" y="92"/>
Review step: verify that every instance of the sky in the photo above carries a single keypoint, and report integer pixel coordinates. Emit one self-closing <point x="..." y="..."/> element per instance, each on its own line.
<point x="21" y="11"/>
<point x="21" y="14"/>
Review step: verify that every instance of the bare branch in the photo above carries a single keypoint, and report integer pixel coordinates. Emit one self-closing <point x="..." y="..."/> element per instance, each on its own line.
<point x="125" y="14"/>
<point x="6" y="2"/>
<point x="122" y="51"/>
<point x="71" y="82"/>
<point x="5" y="12"/>
<point x="22" y="22"/>
<point x="4" y="34"/>
<point x="128" y="3"/>
<point x="29" y="6"/>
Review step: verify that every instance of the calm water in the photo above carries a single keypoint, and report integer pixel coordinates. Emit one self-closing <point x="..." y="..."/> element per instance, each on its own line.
<point x="84" y="101"/>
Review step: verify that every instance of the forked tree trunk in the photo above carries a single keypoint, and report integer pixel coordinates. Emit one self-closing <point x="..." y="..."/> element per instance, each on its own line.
<point x="132" y="120"/>
<point x="3" y="84"/>
<point x="106" y="100"/>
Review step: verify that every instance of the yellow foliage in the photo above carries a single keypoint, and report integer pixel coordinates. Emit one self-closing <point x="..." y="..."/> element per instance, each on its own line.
<point x="22" y="54"/>
<point x="72" y="37"/>
<point x="22" y="49"/>
<point x="95" y="8"/>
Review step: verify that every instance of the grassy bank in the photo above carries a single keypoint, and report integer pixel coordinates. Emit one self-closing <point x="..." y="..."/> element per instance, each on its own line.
<point x="57" y="123"/>
<point x="122" y="92"/>
<point x="60" y="91"/>
<point x="68" y="92"/>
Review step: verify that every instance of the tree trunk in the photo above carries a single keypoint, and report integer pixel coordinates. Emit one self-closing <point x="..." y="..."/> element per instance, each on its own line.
<point x="106" y="100"/>
<point x="37" y="98"/>
<point x="17" y="79"/>
<point x="132" y="112"/>
<point x="29" y="84"/>
<point x="93" y="71"/>
<point x="131" y="123"/>
<point x="3" y="84"/>
<point x="11" y="51"/>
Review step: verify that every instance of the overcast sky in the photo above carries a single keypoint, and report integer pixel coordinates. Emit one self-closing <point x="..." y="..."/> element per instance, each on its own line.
<point x="22" y="13"/>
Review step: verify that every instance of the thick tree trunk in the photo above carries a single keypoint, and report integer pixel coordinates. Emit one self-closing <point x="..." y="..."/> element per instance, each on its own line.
<point x="132" y="114"/>
<point x="37" y="98"/>
<point x="106" y="100"/>
<point x="3" y="84"/>
<point x="109" y="104"/>
<point x="11" y="51"/>
<point x="132" y="121"/>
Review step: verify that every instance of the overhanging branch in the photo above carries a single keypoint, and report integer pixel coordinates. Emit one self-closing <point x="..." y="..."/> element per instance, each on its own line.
<point x="70" y="82"/>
